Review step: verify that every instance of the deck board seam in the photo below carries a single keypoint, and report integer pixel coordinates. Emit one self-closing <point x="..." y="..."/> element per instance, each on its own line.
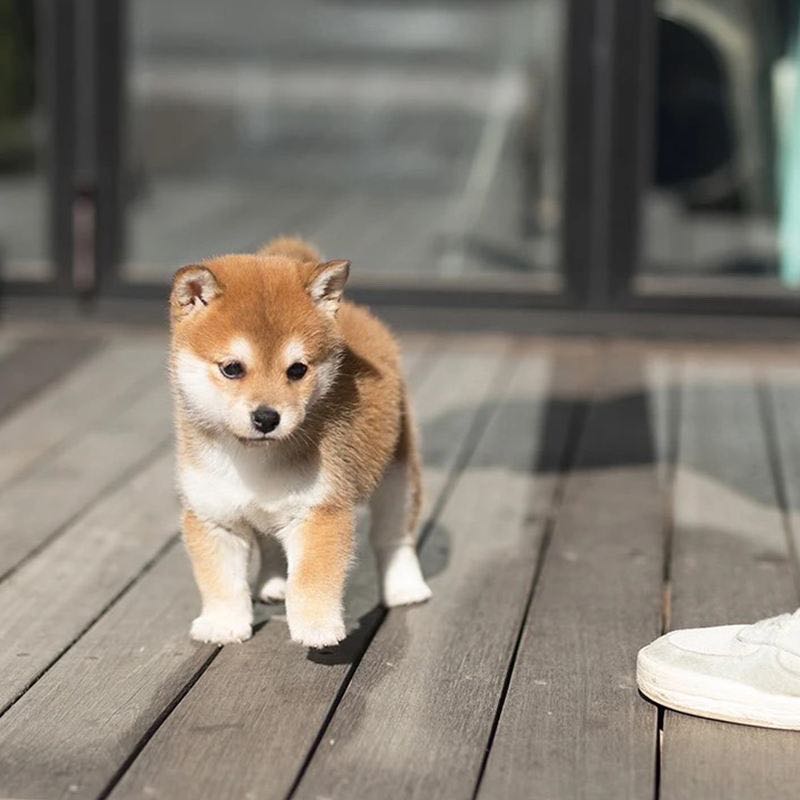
<point x="112" y="487"/>
<point x="671" y="466"/>
<point x="673" y="396"/>
<point x="90" y="347"/>
<point x="157" y="723"/>
<point x="138" y="390"/>
<point x="148" y="565"/>
<point x="765" y="407"/>
<point x="578" y="415"/>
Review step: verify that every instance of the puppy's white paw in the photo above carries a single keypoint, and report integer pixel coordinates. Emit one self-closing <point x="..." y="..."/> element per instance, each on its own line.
<point x="316" y="634"/>
<point x="221" y="628"/>
<point x="405" y="593"/>
<point x="403" y="583"/>
<point x="273" y="590"/>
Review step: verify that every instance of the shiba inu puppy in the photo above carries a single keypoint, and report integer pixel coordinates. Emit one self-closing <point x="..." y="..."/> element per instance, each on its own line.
<point x="290" y="409"/>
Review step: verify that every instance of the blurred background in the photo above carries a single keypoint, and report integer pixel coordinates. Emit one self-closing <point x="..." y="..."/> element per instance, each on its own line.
<point x="573" y="153"/>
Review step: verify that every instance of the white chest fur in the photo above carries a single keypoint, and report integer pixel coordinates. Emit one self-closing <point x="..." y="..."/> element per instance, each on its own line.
<point x="230" y="484"/>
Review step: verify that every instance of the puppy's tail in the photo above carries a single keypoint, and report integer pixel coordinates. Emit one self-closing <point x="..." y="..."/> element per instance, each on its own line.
<point x="292" y="247"/>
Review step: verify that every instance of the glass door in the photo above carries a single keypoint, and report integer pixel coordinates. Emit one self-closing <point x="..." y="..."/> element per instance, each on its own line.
<point x="721" y="206"/>
<point x="422" y="140"/>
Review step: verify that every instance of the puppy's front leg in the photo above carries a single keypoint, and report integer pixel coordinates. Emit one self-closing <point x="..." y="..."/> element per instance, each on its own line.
<point x="219" y="561"/>
<point x="318" y="553"/>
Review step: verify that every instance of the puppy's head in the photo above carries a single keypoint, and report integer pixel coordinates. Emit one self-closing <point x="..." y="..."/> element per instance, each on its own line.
<point x="255" y="342"/>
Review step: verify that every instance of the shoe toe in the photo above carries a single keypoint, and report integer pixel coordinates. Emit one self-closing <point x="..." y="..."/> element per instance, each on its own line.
<point x="695" y="649"/>
<point x="720" y="641"/>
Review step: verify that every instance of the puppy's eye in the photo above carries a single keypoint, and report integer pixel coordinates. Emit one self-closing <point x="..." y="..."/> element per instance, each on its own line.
<point x="296" y="371"/>
<point x="232" y="369"/>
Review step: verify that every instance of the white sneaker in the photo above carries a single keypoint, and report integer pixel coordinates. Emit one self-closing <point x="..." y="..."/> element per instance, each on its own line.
<point x="737" y="673"/>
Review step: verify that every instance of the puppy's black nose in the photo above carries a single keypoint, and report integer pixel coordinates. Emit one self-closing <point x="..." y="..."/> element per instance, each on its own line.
<point x="265" y="419"/>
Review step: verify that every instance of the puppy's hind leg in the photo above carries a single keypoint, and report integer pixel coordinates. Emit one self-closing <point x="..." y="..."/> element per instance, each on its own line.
<point x="272" y="573"/>
<point x="393" y="529"/>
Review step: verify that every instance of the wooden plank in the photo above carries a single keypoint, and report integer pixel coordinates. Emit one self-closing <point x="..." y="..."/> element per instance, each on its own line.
<point x="572" y="724"/>
<point x="100" y="387"/>
<point x="34" y="363"/>
<point x="68" y="735"/>
<point x="223" y="743"/>
<point x="730" y="564"/>
<point x="419" y="711"/>
<point x="38" y="505"/>
<point x="50" y="600"/>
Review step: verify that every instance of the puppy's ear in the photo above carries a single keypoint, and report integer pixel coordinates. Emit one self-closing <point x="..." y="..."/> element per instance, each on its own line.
<point x="193" y="288"/>
<point x="326" y="284"/>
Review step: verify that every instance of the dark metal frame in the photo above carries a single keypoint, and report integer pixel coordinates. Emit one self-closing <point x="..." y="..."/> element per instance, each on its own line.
<point x="609" y="67"/>
<point x="55" y="56"/>
<point x="60" y="94"/>
<point x="111" y="92"/>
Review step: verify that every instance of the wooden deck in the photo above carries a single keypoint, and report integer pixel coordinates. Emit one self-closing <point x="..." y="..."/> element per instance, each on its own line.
<point x="581" y="495"/>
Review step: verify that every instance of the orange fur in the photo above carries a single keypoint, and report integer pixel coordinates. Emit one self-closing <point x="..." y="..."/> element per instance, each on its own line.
<point x="292" y="247"/>
<point x="317" y="585"/>
<point x="199" y="542"/>
<point x="347" y="420"/>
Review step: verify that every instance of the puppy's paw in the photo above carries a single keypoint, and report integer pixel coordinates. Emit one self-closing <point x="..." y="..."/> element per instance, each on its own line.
<point x="406" y="592"/>
<point x="312" y="632"/>
<point x="273" y="590"/>
<point x="403" y="583"/>
<point x="220" y="627"/>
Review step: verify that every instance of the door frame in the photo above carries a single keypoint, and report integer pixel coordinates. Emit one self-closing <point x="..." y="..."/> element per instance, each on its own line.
<point x="608" y="63"/>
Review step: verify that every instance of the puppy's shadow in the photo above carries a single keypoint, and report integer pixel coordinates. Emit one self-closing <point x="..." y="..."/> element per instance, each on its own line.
<point x="352" y="647"/>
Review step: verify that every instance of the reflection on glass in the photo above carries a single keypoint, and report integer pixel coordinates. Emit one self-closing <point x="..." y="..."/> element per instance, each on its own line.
<point x="723" y="211"/>
<point x="415" y="138"/>
<point x="23" y="185"/>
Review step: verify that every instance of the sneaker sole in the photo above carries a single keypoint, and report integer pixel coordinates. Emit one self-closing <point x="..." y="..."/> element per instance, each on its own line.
<point x="669" y="689"/>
